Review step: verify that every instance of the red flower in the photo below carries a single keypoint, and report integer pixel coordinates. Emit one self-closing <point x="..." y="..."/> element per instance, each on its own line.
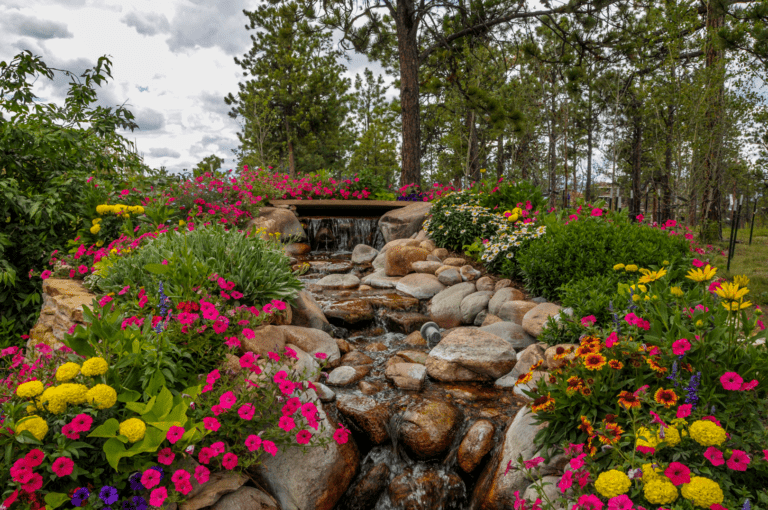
<point x="739" y="461"/>
<point x="731" y="381"/>
<point x="165" y="456"/>
<point x="34" y="458"/>
<point x="648" y="450"/>
<point x="715" y="456"/>
<point x="678" y="473"/>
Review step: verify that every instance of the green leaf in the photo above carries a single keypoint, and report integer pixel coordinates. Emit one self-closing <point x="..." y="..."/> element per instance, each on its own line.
<point x="141" y="408"/>
<point x="55" y="499"/>
<point x="107" y="429"/>
<point x="129" y="396"/>
<point x="157" y="268"/>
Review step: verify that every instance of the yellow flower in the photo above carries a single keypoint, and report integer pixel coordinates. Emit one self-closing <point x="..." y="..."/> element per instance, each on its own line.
<point x="707" y="433"/>
<point x="702" y="275"/>
<point x="618" y="267"/>
<point x="35" y="425"/>
<point x="95" y="229"/>
<point x="113" y="251"/>
<point x="29" y="389"/>
<point x="53" y="400"/>
<point x="126" y="216"/>
<point x="649" y="473"/>
<point x="702" y="492"/>
<point x="95" y="221"/>
<point x="651" y="276"/>
<point x="103" y="209"/>
<point x="133" y="428"/>
<point x="735" y="306"/>
<point x="699" y="323"/>
<point x="741" y="280"/>
<point x="664" y="262"/>
<point x="101" y="396"/>
<point x="642" y="288"/>
<point x="182" y="223"/>
<point x="612" y="483"/>
<point x="660" y="491"/>
<point x="645" y="437"/>
<point x="99" y="243"/>
<point x="74" y="393"/>
<point x="630" y="268"/>
<point x="731" y="291"/>
<point x="67" y="372"/>
<point x="482" y="170"/>
<point x="677" y="291"/>
<point x="95" y="366"/>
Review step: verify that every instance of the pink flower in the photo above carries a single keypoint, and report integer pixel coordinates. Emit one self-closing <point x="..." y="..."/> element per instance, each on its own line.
<point x="715" y="456"/>
<point x="217" y="410"/>
<point x="532" y="463"/>
<point x="103" y="301"/>
<point x="205" y="455"/>
<point x="684" y="411"/>
<point x="565" y="482"/>
<point x="597" y="212"/>
<point x="657" y="418"/>
<point x="184" y="487"/>
<point x="751" y="385"/>
<point x="157" y="496"/>
<point x="678" y="473"/>
<point x="150" y="478"/>
<point x="731" y="381"/>
<point x="34" y="458"/>
<point x="180" y="475"/>
<point x="287" y="387"/>
<point x="143" y="301"/>
<point x="82" y="423"/>
<point x="341" y="435"/>
<point x="573" y="217"/>
<point x="165" y="456"/>
<point x="69" y="431"/>
<point x="621" y="502"/>
<point x="232" y="342"/>
<point x="229" y="461"/>
<point x="612" y="340"/>
<point x="247" y="360"/>
<point x="680" y="347"/>
<point x="640" y="218"/>
<point x="646" y="450"/>
<point x="82" y="269"/>
<point x="291" y="353"/>
<point x="211" y="423"/>
<point x="237" y="295"/>
<point x="577" y="462"/>
<point x="62" y="466"/>
<point x="213" y="376"/>
<point x="164" y="262"/>
<point x="309" y="410"/>
<point x="248" y="333"/>
<point x="738" y="461"/>
<point x="286" y="423"/>
<point x="270" y="447"/>
<point x="588" y="320"/>
<point x="246" y="411"/>
<point x="227" y="400"/>
<point x="589" y="502"/>
<point x="45" y="274"/>
<point x="273" y="356"/>
<point x="321" y="355"/>
<point x="218" y="447"/>
<point x="303" y="437"/>
<point x="202" y="474"/>
<point x="253" y="442"/>
<point x="698" y="263"/>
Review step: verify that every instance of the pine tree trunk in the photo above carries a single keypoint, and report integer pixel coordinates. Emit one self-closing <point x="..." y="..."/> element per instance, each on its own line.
<point x="500" y="157"/>
<point x="409" y="91"/>
<point x="666" y="208"/>
<point x="472" y="170"/>
<point x="637" y="153"/>
<point x="587" y="188"/>
<point x="291" y="158"/>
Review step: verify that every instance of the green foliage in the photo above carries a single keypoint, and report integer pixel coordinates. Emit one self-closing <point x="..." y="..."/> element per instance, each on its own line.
<point x="593" y="295"/>
<point x="508" y="195"/>
<point x="210" y="164"/>
<point x="457" y="220"/>
<point x="576" y="249"/>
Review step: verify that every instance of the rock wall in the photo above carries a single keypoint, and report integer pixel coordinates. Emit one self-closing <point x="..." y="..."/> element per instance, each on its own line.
<point x="63" y="302"/>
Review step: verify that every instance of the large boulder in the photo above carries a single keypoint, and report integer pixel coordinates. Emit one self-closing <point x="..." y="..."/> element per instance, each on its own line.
<point x="363" y="254"/>
<point x="477" y="442"/>
<point x="367" y="415"/>
<point x="312" y="341"/>
<point x="474" y="304"/>
<point x="246" y="497"/>
<point x="404" y="222"/>
<point x="420" y="285"/>
<point x="307" y="313"/>
<point x="502" y="296"/>
<point x="470" y="354"/>
<point x="512" y="333"/>
<point x="400" y="258"/>
<point x="338" y="282"/>
<point x="534" y="320"/>
<point x="514" y="311"/>
<point x="278" y="220"/>
<point x="445" y="308"/>
<point x="315" y="480"/>
<point x="426" y="488"/>
<point x="428" y="427"/>
<point x="266" y="339"/>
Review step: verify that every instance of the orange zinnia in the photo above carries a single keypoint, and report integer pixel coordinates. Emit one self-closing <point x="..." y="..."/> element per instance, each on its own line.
<point x="628" y="400"/>
<point x="667" y="398"/>
<point x="594" y="361"/>
<point x="616" y="364"/>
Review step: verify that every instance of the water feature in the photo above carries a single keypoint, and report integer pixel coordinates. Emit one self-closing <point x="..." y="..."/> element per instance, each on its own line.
<point x="338" y="235"/>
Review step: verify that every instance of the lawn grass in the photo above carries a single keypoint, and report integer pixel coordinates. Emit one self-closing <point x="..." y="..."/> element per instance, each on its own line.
<point x="751" y="261"/>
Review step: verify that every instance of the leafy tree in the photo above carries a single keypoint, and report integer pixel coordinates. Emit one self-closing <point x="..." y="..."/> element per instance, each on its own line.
<point x="210" y="163"/>
<point x="296" y="91"/>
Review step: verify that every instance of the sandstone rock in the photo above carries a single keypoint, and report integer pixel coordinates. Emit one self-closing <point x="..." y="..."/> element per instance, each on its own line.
<point x="454" y="261"/>
<point x="512" y="333"/>
<point x="421" y="236"/>
<point x="491" y="319"/>
<point x="266" y="339"/>
<point x="366" y="493"/>
<point x="415" y="338"/>
<point x="485" y="283"/>
<point x="445" y="308"/>
<point x="470" y="354"/>
<point x="63" y="301"/>
<point x="400" y="258"/>
<point x="346" y="375"/>
<point x="412" y="356"/>
<point x="407" y="376"/>
<point x="428" y="245"/>
<point x="404" y="222"/>
<point x="534" y="320"/>
<point x="404" y="322"/>
<point x="363" y="254"/>
<point x="218" y="485"/>
<point x="380" y="262"/>
<point x="425" y="266"/>
<point x="367" y="415"/>
<point x="356" y="358"/>
<point x="501" y="296"/>
<point x="343" y="346"/>
<point x="469" y="273"/>
<point x="432" y="258"/>
<point x="324" y="474"/>
<point x="375" y="347"/>
<point x="324" y="393"/>
<point x="312" y="341"/>
<point x="551" y="352"/>
<point x="379" y="279"/>
<point x="428" y="427"/>
<point x="440" y="253"/>
<point x="349" y="310"/>
<point x="473" y="304"/>
<point x="420" y="285"/>
<point x="480" y="318"/>
<point x="502" y="284"/>
<point x="282" y="318"/>
<point x="281" y="221"/>
<point x="295" y="249"/>
<point x="477" y="442"/>
<point x="395" y="242"/>
<point x="426" y="488"/>
<point x="338" y="281"/>
<point x="449" y="276"/>
<point x="369" y="388"/>
<point x="246" y="497"/>
<point x="515" y="311"/>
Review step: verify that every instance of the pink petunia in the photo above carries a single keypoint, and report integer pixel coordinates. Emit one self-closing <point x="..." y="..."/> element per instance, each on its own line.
<point x="589" y="502"/>
<point x="715" y="456"/>
<point x="566" y="482"/>
<point x="174" y="434"/>
<point x="678" y="473"/>
<point x="229" y="461"/>
<point x="211" y="423"/>
<point x="157" y="497"/>
<point x="532" y="463"/>
<point x="247" y="360"/>
<point x="738" y="461"/>
<point x="680" y="347"/>
<point x="577" y="462"/>
<point x="620" y="502"/>
<point x="232" y="342"/>
<point x="270" y="447"/>
<point x="341" y="435"/>
<point x="303" y="437"/>
<point x="246" y="411"/>
<point x="62" y="466"/>
<point x="253" y="442"/>
<point x="286" y="423"/>
<point x="228" y="399"/>
<point x="45" y="274"/>
<point x="611" y="340"/>
<point x="751" y="385"/>
<point x="218" y="447"/>
<point x="731" y="381"/>
<point x="588" y="320"/>
<point x="150" y="478"/>
<point x="597" y="212"/>
<point x="684" y="411"/>
<point x="82" y="269"/>
<point x="165" y="456"/>
<point x="248" y="333"/>
<point x="273" y="356"/>
<point x="202" y="474"/>
<point x="34" y="457"/>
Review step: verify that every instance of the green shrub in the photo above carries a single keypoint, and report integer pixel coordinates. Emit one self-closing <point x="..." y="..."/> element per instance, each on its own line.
<point x="458" y="219"/>
<point x="507" y="195"/>
<point x="590" y="246"/>
<point x="259" y="267"/>
<point x="594" y="295"/>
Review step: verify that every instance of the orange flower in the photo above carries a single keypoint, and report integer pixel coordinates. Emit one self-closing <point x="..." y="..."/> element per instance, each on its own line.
<point x="562" y="353"/>
<point x="665" y="397"/>
<point x="524" y="378"/>
<point x="574" y="384"/>
<point x="586" y="426"/>
<point x="594" y="361"/>
<point x="616" y="364"/>
<point x="586" y="391"/>
<point x="613" y="432"/>
<point x="655" y="366"/>
<point x="628" y="400"/>
<point x="546" y="403"/>
<point x="536" y="365"/>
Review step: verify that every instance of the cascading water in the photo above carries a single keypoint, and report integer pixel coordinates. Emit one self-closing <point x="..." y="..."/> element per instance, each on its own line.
<point x="342" y="234"/>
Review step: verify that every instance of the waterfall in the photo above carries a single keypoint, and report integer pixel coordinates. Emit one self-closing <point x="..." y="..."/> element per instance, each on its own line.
<point x="342" y="234"/>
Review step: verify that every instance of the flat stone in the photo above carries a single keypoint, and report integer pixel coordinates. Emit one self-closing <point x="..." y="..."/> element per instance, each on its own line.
<point x="412" y="356"/>
<point x="404" y="322"/>
<point x="393" y="301"/>
<point x="346" y="375"/>
<point x="339" y="281"/>
<point x="349" y="310"/>
<point x="469" y="273"/>
<point x="428" y="427"/>
<point x="477" y="442"/>
<point x="534" y="320"/>
<point x="539" y="300"/>
<point x="426" y="266"/>
<point x="375" y="347"/>
<point x="366" y="414"/>
<point x="512" y="333"/>
<point x="440" y="253"/>
<point x="407" y="376"/>
<point x="514" y="311"/>
<point x="275" y="220"/>
<point x="480" y="318"/>
<point x="246" y="497"/>
<point x="380" y="280"/>
<point x="485" y="283"/>
<point x="474" y="304"/>
<point x="454" y="261"/>
<point x="380" y="262"/>
<point x="502" y="284"/>
<point x="432" y="258"/>
<point x="419" y="285"/>
<point x="501" y="296"/>
<point x="415" y="338"/>
<point x="363" y="254"/>
<point x="428" y="245"/>
<point x="491" y="319"/>
<point x="470" y="354"/>
<point x="324" y="393"/>
<point x="445" y="308"/>
<point x="355" y="358"/>
<point x="449" y="276"/>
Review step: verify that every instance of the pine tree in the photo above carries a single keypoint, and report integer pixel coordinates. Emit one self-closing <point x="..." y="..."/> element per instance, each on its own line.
<point x="296" y="82"/>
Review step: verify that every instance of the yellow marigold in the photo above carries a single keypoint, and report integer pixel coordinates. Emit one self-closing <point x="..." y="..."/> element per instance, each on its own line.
<point x="53" y="400"/>
<point x="103" y="209"/>
<point x="630" y="268"/>
<point x="101" y="396"/>
<point x="671" y="436"/>
<point x="702" y="492"/>
<point x="649" y="473"/>
<point x="67" y="372"/>
<point x="612" y="483"/>
<point x="74" y="393"/>
<point x="100" y="242"/>
<point x="677" y="291"/>
<point x="95" y="221"/>
<point x="29" y="389"/>
<point x="707" y="433"/>
<point x="133" y="429"/>
<point x="94" y="366"/>
<point x="645" y="437"/>
<point x="618" y="267"/>
<point x="660" y="491"/>
<point x="95" y="229"/>
<point x="35" y="425"/>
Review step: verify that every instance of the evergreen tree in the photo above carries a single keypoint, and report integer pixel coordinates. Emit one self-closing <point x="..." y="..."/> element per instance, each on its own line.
<point x="296" y="91"/>
<point x="210" y="163"/>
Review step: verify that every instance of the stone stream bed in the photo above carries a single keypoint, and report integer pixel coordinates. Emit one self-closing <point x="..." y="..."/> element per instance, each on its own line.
<point x="423" y="443"/>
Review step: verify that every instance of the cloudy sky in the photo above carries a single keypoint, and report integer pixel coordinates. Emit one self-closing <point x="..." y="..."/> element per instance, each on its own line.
<point x="172" y="65"/>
